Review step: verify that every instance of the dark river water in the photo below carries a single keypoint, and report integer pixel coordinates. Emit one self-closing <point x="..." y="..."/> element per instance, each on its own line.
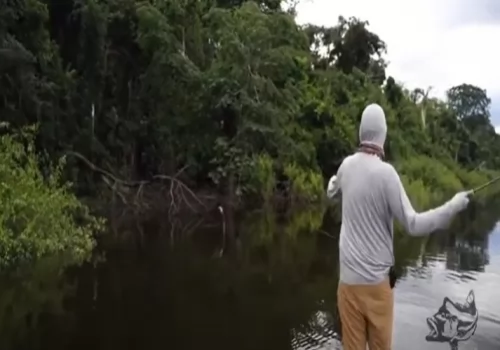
<point x="261" y="281"/>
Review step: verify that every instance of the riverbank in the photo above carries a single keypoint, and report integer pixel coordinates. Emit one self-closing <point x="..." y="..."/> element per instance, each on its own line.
<point x="41" y="216"/>
<point x="427" y="181"/>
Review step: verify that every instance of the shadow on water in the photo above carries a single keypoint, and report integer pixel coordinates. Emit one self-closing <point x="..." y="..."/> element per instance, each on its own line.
<point x="267" y="282"/>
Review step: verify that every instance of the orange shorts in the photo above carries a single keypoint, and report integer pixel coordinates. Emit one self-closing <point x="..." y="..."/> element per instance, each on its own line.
<point x="366" y="315"/>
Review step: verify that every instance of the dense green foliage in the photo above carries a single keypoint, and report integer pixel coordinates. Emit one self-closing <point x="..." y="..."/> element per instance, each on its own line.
<point x="38" y="215"/>
<point x="233" y="93"/>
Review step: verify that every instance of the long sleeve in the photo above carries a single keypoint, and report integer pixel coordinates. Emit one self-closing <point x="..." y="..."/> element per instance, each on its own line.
<point x="416" y="224"/>
<point x="334" y="184"/>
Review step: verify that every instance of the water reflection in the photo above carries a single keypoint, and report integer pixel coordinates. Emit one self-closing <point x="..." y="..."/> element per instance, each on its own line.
<point x="27" y="296"/>
<point x="265" y="281"/>
<point x="452" y="264"/>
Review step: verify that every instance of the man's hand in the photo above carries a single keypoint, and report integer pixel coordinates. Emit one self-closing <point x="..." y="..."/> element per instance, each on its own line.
<point x="460" y="201"/>
<point x="333" y="187"/>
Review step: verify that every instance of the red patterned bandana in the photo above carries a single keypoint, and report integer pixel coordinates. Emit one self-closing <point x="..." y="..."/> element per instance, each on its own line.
<point x="371" y="149"/>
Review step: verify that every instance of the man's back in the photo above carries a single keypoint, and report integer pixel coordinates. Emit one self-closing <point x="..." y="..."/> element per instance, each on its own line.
<point x="366" y="236"/>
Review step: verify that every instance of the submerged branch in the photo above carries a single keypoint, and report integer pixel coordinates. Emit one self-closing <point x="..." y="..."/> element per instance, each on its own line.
<point x="177" y="189"/>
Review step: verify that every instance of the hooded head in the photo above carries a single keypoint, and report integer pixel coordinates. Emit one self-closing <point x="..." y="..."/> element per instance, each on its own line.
<point x="373" y="128"/>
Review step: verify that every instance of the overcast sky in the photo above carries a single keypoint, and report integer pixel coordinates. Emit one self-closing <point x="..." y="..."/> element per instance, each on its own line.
<point x="430" y="43"/>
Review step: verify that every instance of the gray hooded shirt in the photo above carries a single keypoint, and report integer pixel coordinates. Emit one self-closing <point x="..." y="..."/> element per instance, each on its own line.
<point x="372" y="196"/>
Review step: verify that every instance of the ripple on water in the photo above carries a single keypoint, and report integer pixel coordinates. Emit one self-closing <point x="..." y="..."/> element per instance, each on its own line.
<point x="319" y="334"/>
<point x="461" y="276"/>
<point x="435" y="257"/>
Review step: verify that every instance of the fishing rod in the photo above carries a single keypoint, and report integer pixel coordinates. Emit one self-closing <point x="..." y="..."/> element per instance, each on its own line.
<point x="491" y="182"/>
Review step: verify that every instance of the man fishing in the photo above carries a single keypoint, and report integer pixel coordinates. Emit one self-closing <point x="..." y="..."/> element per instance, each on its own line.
<point x="372" y="196"/>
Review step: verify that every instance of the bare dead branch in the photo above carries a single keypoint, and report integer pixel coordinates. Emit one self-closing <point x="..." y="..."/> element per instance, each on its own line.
<point x="176" y="186"/>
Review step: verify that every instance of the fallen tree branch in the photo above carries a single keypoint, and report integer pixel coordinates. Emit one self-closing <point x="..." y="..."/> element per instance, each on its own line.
<point x="173" y="181"/>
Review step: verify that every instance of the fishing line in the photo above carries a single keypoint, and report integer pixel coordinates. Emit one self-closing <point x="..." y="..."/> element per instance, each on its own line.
<point x="491" y="182"/>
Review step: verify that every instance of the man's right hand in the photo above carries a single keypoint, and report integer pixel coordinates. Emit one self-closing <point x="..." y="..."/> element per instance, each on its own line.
<point x="460" y="201"/>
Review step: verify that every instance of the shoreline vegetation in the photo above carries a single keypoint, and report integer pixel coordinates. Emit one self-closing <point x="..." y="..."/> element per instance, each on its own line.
<point x="39" y="214"/>
<point x="181" y="106"/>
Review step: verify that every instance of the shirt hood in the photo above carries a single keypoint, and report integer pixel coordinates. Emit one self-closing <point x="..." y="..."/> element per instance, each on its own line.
<point x="373" y="127"/>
